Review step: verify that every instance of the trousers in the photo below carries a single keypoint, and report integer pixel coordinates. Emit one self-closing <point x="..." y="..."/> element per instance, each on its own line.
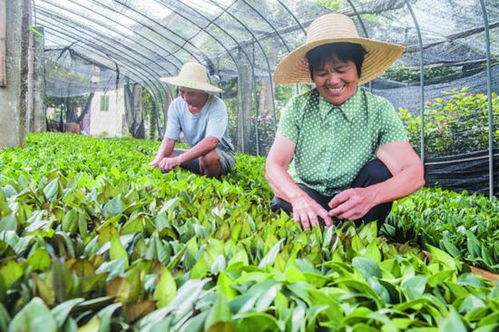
<point x="373" y="172"/>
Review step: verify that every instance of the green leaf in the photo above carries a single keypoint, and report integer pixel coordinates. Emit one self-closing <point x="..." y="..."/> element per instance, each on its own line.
<point x="61" y="311"/>
<point x="51" y="191"/>
<point x="34" y="317"/>
<point x="166" y="289"/>
<point x="117" y="250"/>
<point x="414" y="287"/>
<point x="114" y="207"/>
<point x="269" y="258"/>
<point x="220" y="317"/>
<point x="367" y="267"/>
<point x="224" y="286"/>
<point x="11" y="272"/>
<point x="252" y="322"/>
<point x="452" y="323"/>
<point x="39" y="260"/>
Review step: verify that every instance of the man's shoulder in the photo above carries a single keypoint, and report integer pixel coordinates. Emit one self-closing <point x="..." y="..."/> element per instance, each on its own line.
<point x="216" y="104"/>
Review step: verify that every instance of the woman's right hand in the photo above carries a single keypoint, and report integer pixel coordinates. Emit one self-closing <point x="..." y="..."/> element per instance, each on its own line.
<point x="308" y="212"/>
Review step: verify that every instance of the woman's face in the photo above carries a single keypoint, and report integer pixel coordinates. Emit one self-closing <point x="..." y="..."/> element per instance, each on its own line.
<point x="336" y="81"/>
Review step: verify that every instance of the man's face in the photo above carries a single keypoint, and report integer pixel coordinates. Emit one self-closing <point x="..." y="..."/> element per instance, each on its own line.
<point x="195" y="99"/>
<point x="336" y="81"/>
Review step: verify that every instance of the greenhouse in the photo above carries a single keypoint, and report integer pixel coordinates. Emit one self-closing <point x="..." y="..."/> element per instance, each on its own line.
<point x="198" y="165"/>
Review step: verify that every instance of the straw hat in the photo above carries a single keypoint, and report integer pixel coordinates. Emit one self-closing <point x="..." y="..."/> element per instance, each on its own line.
<point x="336" y="28"/>
<point x="192" y="75"/>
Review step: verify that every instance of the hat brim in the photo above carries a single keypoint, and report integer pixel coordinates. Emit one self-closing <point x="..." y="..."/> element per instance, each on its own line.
<point x="191" y="84"/>
<point x="379" y="57"/>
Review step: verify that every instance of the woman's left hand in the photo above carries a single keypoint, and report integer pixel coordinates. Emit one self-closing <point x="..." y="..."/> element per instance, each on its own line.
<point x="352" y="204"/>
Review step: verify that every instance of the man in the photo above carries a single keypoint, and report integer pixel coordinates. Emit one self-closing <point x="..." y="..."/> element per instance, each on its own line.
<point x="202" y="118"/>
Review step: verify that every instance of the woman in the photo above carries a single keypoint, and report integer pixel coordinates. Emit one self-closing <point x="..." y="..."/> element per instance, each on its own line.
<point x="347" y="149"/>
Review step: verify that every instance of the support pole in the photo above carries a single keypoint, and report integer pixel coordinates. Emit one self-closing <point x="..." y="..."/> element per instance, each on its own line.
<point x="12" y="96"/>
<point x="489" y="97"/>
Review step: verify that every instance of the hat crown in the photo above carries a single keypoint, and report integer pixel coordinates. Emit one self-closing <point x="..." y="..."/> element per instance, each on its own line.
<point x="331" y="26"/>
<point x="193" y="71"/>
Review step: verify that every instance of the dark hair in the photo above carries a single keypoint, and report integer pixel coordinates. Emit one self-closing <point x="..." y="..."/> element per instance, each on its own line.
<point x="337" y="52"/>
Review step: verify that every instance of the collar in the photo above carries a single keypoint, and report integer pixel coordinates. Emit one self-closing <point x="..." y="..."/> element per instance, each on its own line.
<point x="349" y="108"/>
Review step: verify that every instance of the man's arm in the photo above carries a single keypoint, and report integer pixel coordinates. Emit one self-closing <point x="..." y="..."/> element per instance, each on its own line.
<point x="203" y="147"/>
<point x="407" y="177"/>
<point x="305" y="209"/>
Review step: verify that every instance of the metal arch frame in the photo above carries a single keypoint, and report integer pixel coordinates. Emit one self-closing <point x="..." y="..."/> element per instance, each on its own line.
<point x="57" y="18"/>
<point x="107" y="28"/>
<point x="246" y="55"/>
<point x="350" y="2"/>
<point x="92" y="49"/>
<point x="151" y="88"/>
<point x="489" y="98"/>
<point x="165" y="27"/>
<point x="293" y="16"/>
<point x="421" y="76"/>
<point x="263" y="52"/>
<point x="130" y="59"/>
<point x="269" y="23"/>
<point x="205" y="31"/>
<point x="91" y="45"/>
<point x="158" y="95"/>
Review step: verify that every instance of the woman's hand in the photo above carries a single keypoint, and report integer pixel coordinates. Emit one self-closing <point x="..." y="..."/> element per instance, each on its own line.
<point x="352" y="204"/>
<point x="307" y="212"/>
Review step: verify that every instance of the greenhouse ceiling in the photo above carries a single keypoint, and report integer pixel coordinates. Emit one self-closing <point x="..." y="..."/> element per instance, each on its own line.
<point x="148" y="39"/>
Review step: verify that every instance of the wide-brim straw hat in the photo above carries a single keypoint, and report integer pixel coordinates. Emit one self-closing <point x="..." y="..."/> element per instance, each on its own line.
<point x="193" y="75"/>
<point x="336" y="28"/>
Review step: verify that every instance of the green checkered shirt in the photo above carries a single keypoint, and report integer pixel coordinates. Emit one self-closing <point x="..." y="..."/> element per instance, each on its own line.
<point x="334" y="142"/>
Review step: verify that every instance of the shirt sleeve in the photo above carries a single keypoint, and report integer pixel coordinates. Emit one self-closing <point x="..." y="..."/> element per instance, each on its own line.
<point x="173" y="128"/>
<point x="217" y="121"/>
<point x="392" y="128"/>
<point x="289" y="121"/>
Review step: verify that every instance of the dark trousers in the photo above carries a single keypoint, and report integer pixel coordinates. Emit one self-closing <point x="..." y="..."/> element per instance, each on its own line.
<point x="373" y="172"/>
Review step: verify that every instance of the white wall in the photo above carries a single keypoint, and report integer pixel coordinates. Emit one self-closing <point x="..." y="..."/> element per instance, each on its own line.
<point x="110" y="122"/>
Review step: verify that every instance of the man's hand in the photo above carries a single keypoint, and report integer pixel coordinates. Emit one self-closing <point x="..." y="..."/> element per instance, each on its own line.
<point x="155" y="162"/>
<point x="352" y="204"/>
<point x="307" y="212"/>
<point x="167" y="164"/>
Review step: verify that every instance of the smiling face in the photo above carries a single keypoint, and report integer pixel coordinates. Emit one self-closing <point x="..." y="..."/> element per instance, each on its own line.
<point x="336" y="81"/>
<point x="195" y="99"/>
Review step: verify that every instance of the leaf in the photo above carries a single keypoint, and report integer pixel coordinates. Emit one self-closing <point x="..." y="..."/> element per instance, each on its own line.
<point x="138" y="310"/>
<point x="452" y="323"/>
<point x="269" y="258"/>
<point x="51" y="190"/>
<point x="224" y="286"/>
<point x="252" y="322"/>
<point x="114" y="207"/>
<point x="166" y="289"/>
<point x="219" y="317"/>
<point x="443" y="257"/>
<point x="92" y="326"/>
<point x="10" y="273"/>
<point x="39" y="260"/>
<point x="117" y="250"/>
<point x="367" y="267"/>
<point x="414" y="287"/>
<point x="34" y="317"/>
<point x="119" y="288"/>
<point x="61" y="311"/>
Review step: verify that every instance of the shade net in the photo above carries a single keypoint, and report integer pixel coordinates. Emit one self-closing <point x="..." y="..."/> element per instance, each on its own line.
<point x="101" y="45"/>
